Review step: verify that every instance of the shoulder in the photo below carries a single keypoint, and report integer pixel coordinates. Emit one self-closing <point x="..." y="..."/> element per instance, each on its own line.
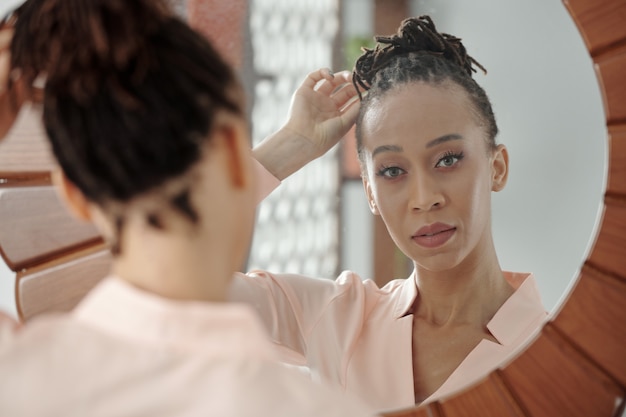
<point x="38" y="359"/>
<point x="345" y="296"/>
<point x="15" y="337"/>
<point x="346" y="281"/>
<point x="58" y="345"/>
<point x="348" y="287"/>
<point x="352" y="282"/>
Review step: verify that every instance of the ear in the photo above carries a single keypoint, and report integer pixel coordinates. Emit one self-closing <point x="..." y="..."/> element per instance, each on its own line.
<point x="234" y="136"/>
<point x="499" y="168"/>
<point x="74" y="199"/>
<point x="370" y="196"/>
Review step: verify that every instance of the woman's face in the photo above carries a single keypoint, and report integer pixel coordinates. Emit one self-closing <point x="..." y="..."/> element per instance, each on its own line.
<point x="429" y="173"/>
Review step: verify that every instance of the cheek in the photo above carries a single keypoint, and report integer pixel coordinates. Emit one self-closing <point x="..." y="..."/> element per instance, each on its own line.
<point x="388" y="198"/>
<point x="476" y="198"/>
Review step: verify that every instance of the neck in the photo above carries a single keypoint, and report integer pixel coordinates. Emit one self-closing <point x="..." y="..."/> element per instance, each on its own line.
<point x="177" y="264"/>
<point x="470" y="293"/>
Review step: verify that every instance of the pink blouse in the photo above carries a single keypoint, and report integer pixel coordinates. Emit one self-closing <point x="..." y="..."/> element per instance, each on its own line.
<point x="354" y="334"/>
<point x="357" y="335"/>
<point x="126" y="352"/>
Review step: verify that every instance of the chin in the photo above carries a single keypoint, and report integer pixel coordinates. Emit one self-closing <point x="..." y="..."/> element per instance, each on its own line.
<point x="439" y="262"/>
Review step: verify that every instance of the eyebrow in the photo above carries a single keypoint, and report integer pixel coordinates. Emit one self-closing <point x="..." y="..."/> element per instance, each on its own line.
<point x="386" y="148"/>
<point x="434" y="142"/>
<point x="444" y="138"/>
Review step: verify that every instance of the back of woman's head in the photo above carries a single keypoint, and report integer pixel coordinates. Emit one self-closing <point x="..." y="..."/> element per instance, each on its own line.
<point x="131" y="93"/>
<point x="419" y="53"/>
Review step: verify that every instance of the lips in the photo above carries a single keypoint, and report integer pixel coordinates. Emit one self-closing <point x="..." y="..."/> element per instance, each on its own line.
<point x="433" y="235"/>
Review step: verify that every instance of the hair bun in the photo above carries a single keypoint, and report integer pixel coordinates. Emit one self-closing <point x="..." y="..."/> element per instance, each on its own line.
<point x="415" y="34"/>
<point x="78" y="41"/>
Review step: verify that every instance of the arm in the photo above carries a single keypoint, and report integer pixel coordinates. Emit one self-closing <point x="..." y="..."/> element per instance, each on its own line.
<point x="276" y="300"/>
<point x="300" y="313"/>
<point x="323" y="109"/>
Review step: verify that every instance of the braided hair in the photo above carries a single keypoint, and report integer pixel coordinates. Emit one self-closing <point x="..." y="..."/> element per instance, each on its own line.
<point x="131" y="94"/>
<point x="418" y="52"/>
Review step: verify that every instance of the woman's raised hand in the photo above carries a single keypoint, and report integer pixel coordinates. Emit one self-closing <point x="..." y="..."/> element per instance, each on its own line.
<point x="323" y="109"/>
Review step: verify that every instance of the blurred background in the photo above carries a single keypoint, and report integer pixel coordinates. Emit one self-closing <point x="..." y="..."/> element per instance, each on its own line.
<point x="544" y="93"/>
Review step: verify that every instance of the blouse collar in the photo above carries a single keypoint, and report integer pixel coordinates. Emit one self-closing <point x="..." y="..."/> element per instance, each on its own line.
<point x="519" y="311"/>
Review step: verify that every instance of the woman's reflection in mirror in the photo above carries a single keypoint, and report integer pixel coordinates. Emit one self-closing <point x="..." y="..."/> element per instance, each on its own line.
<point x="426" y="136"/>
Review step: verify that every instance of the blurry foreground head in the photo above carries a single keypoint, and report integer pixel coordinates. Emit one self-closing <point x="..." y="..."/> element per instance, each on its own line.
<point x="132" y="99"/>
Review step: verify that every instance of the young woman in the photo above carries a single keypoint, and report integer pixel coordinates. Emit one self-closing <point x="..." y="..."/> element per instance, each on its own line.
<point x="426" y="142"/>
<point x="147" y="124"/>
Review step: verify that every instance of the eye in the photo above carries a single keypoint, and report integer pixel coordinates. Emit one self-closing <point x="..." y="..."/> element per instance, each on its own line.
<point x="449" y="160"/>
<point x="390" y="172"/>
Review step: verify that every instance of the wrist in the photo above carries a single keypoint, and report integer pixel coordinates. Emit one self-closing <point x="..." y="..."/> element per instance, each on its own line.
<point x="285" y="152"/>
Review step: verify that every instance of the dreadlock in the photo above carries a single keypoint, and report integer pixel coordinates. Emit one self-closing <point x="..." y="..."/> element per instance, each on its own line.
<point x="131" y="93"/>
<point x="418" y="52"/>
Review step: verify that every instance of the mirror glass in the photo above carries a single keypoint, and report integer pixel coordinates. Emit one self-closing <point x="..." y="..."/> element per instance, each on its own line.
<point x="548" y="106"/>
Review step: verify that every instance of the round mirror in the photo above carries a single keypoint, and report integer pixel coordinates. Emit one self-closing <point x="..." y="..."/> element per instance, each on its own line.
<point x="548" y="106"/>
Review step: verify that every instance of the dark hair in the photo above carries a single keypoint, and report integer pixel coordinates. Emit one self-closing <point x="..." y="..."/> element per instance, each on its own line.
<point x="417" y="52"/>
<point x="131" y="94"/>
<point x="131" y="91"/>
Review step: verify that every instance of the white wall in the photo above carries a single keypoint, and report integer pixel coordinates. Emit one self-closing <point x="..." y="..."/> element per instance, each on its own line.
<point x="357" y="230"/>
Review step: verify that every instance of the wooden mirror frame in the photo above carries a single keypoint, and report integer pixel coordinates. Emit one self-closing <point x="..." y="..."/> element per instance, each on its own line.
<point x="576" y="365"/>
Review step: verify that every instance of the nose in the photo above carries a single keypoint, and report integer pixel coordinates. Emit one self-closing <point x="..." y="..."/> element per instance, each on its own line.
<point x="425" y="194"/>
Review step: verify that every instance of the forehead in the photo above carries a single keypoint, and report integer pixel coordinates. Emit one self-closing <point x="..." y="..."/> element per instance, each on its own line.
<point x="419" y="109"/>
